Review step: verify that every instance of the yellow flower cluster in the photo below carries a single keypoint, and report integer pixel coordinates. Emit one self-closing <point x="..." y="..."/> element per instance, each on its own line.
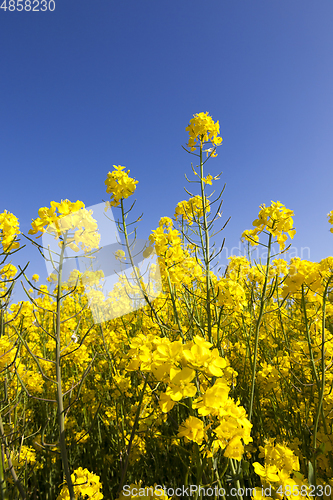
<point x="25" y="455"/>
<point x="86" y="485"/>
<point x="8" y="271"/>
<point x="191" y="210"/>
<point x="277" y="220"/>
<point x="30" y="379"/>
<point x="192" y="430"/>
<point x="51" y="216"/>
<point x="231" y="294"/>
<point x="177" y="264"/>
<point x="9" y="229"/>
<point x="63" y="218"/>
<point x="120" y="185"/>
<point x="303" y="272"/>
<point x="202" y="129"/>
<point x="120" y="255"/>
<point x="280" y="465"/>
<point x="7" y="352"/>
<point x="176" y="365"/>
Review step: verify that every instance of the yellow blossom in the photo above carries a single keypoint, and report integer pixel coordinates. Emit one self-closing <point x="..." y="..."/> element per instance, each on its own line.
<point x="202" y="129"/>
<point x="9" y="229"/>
<point x="120" y="185"/>
<point x="192" y="429"/>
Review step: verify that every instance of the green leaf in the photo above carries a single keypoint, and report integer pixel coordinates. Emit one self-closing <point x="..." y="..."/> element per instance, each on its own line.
<point x="310" y="474"/>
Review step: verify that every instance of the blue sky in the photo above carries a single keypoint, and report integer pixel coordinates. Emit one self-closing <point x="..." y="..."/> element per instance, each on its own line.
<point x="100" y="82"/>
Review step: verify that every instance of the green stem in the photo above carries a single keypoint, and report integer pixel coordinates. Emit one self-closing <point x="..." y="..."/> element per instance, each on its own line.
<point x="172" y="295"/>
<point x="11" y="467"/>
<point x="161" y="326"/>
<point x="60" y="397"/>
<point x="313" y="364"/>
<point x="322" y="387"/>
<point x="198" y="460"/>
<point x="3" y="486"/>
<point x="258" y="324"/>
<point x="128" y="451"/>
<point x="240" y="497"/>
<point x="206" y="249"/>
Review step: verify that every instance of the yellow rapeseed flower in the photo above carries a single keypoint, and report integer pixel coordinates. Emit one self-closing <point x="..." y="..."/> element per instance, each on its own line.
<point x="192" y="430"/>
<point x="9" y="229"/>
<point x="85" y="483"/>
<point x="276" y="219"/>
<point x="120" y="185"/>
<point x="202" y="129"/>
<point x="65" y="217"/>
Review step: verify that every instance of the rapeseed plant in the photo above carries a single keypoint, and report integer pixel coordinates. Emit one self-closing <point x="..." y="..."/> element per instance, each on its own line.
<point x="220" y="380"/>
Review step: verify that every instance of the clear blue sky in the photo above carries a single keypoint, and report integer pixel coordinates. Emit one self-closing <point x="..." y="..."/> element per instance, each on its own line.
<point x="103" y="82"/>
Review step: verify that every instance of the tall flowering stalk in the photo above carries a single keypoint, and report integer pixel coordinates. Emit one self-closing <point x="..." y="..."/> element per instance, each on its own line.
<point x="121" y="187"/>
<point x="275" y="221"/>
<point x="204" y="131"/>
<point x="9" y="231"/>
<point x="75" y="227"/>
